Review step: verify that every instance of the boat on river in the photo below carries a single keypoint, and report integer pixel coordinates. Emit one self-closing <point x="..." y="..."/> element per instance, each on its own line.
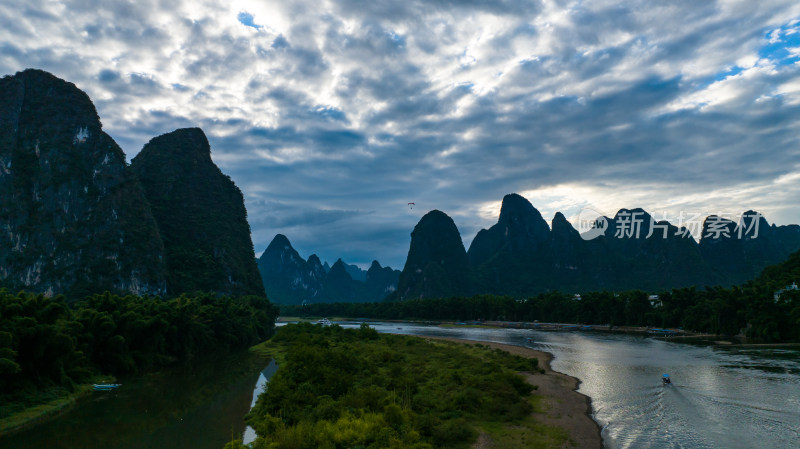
<point x="105" y="387"/>
<point x="665" y="378"/>
<point x="324" y="322"/>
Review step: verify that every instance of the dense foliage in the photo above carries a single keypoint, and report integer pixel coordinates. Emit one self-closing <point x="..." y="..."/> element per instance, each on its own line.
<point x="781" y="275"/>
<point x="764" y="309"/>
<point x="338" y="388"/>
<point x="48" y="345"/>
<point x="750" y="310"/>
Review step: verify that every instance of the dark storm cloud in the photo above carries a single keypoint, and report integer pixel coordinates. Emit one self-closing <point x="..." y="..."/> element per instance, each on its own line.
<point x="282" y="215"/>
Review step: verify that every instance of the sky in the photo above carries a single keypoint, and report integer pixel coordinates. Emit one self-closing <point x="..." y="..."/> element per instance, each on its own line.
<point x="332" y="116"/>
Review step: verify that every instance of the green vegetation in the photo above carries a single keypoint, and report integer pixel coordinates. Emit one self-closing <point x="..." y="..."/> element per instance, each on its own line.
<point x="339" y="388"/>
<point x="48" y="348"/>
<point x="45" y="408"/>
<point x="751" y="309"/>
<point x="780" y="275"/>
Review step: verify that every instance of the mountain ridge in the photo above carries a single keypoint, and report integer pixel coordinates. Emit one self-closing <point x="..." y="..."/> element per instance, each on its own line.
<point x="290" y="279"/>
<point x="520" y="255"/>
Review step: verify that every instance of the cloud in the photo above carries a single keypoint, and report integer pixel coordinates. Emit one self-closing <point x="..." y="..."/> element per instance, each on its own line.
<point x="332" y="116"/>
<point x="281" y="215"/>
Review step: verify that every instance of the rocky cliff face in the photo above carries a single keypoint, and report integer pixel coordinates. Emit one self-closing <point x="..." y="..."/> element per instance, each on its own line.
<point x="437" y="264"/>
<point x="288" y="279"/>
<point x="381" y="281"/>
<point x="511" y="256"/>
<point x="200" y="214"/>
<point x="73" y="218"/>
<point x="572" y="262"/>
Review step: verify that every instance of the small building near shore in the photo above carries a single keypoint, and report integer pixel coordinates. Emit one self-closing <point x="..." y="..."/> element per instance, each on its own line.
<point x="793" y="286"/>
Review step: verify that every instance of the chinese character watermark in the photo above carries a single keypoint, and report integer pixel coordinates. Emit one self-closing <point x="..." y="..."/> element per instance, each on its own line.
<point x="638" y="224"/>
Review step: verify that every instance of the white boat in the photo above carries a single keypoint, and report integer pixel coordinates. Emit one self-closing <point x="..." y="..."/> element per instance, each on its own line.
<point x="324" y="322"/>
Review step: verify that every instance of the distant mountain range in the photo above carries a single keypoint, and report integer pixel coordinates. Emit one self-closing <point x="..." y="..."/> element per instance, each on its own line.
<point x="521" y="255"/>
<point x="76" y="219"/>
<point x="289" y="279"/>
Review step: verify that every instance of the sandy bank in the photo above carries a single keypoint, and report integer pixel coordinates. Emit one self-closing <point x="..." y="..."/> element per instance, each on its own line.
<point x="564" y="406"/>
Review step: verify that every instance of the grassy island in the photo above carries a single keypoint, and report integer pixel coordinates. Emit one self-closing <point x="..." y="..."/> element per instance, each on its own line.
<point x="340" y="388"/>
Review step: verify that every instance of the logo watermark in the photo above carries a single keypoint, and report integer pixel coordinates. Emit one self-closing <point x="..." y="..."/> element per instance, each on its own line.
<point x="591" y="223"/>
<point x="636" y="224"/>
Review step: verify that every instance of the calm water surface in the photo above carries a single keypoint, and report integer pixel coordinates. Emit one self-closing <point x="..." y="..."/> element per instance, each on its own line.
<point x="721" y="397"/>
<point x="196" y="406"/>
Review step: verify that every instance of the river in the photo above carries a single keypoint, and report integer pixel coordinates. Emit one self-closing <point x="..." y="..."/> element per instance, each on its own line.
<point x="199" y="405"/>
<point x="721" y="397"/>
<point x="732" y="397"/>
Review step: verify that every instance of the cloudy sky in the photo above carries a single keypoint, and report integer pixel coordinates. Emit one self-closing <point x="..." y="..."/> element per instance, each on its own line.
<point x="332" y="116"/>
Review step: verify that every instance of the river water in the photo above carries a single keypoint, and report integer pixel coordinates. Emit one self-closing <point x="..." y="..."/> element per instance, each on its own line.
<point x="721" y="397"/>
<point x="199" y="405"/>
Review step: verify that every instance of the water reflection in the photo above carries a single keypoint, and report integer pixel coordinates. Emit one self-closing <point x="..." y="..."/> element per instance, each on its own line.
<point x="195" y="406"/>
<point x="263" y="378"/>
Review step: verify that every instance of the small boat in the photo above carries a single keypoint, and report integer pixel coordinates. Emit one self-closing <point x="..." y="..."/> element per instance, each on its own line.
<point x="665" y="379"/>
<point x="324" y="322"/>
<point x="661" y="332"/>
<point x="105" y="387"/>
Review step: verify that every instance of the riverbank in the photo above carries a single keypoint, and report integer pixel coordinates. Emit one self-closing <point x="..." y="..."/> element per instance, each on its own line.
<point x="562" y="405"/>
<point x="34" y="414"/>
<point x="671" y="334"/>
<point x="37" y="413"/>
<point x="195" y="405"/>
<point x="665" y="333"/>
